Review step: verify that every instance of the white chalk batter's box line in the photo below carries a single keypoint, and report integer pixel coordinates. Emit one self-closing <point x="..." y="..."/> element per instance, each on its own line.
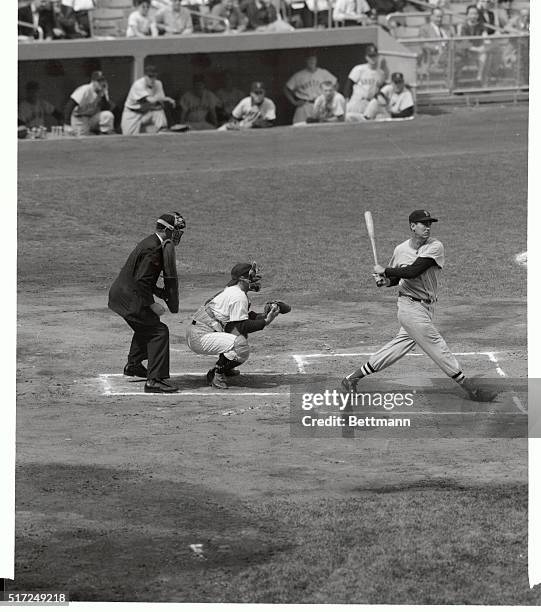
<point x="301" y="362"/>
<point x="108" y="388"/>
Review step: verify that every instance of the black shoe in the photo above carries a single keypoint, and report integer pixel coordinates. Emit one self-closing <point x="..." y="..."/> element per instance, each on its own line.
<point x="349" y="385"/>
<point x="210" y="376"/>
<point x="233" y="372"/>
<point x="138" y="370"/>
<point x="159" y="386"/>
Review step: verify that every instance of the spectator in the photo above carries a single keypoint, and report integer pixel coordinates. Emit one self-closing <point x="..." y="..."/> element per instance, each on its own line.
<point x="227" y="9"/>
<point x="441" y="4"/>
<point x="364" y="81"/>
<point x="198" y="106"/>
<point x="519" y="23"/>
<point x="144" y="107"/>
<point x="41" y="14"/>
<point x="434" y="53"/>
<point x="229" y="96"/>
<point x="88" y="110"/>
<point x="174" y="19"/>
<point x="351" y="12"/>
<point x="263" y="17"/>
<point x="329" y="107"/>
<point x="75" y="17"/>
<point x="487" y="17"/>
<point x="384" y="7"/>
<point x="305" y="86"/>
<point x="140" y="24"/>
<point x="254" y="111"/>
<point x="34" y="111"/>
<point x="309" y="17"/>
<point x="472" y="50"/>
<point x="393" y="101"/>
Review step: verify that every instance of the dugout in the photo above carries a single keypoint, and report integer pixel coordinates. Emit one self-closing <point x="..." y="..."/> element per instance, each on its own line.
<point x="60" y="66"/>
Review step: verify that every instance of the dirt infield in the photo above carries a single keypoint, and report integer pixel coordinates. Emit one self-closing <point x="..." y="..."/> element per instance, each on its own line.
<point x="116" y="489"/>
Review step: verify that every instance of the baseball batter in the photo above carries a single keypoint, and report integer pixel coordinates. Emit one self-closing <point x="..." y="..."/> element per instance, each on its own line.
<point x="364" y="82"/>
<point x="221" y="326"/>
<point x="415" y="267"/>
<point x="304" y="87"/>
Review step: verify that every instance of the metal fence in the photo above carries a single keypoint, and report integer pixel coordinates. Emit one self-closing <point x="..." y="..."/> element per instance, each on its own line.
<point x="480" y="63"/>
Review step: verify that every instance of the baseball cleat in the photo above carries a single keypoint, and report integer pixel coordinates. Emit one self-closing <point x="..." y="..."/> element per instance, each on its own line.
<point x="137" y="369"/>
<point x="219" y="381"/>
<point x="210" y="376"/>
<point x="349" y="384"/>
<point x="159" y="386"/>
<point x="478" y="394"/>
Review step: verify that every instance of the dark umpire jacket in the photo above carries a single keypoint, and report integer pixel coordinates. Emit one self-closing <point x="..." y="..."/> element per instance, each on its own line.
<point x="132" y="293"/>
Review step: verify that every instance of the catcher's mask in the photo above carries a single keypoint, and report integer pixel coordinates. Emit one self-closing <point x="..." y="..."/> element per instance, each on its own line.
<point x="251" y="273"/>
<point x="174" y="222"/>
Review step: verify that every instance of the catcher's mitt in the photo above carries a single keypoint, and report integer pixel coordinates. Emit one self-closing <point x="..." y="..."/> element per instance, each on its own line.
<point x="282" y="306"/>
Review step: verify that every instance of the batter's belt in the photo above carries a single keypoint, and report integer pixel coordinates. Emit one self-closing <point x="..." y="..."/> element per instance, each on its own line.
<point x="415" y="299"/>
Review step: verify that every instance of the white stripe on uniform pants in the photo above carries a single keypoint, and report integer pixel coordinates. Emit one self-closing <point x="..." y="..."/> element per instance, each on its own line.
<point x="417" y="328"/>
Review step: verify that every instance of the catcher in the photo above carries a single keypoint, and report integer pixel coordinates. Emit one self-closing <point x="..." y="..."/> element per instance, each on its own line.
<point x="221" y="326"/>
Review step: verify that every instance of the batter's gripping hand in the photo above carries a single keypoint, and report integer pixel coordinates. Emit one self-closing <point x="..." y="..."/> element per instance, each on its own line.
<point x="283" y="308"/>
<point x="381" y="281"/>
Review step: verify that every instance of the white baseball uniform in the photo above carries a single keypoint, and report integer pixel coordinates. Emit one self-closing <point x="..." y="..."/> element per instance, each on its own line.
<point x="416" y="300"/>
<point x="325" y="110"/>
<point x="87" y="115"/>
<point x="397" y="102"/>
<point x="246" y="112"/>
<point x="306" y="85"/>
<point x="206" y="335"/>
<point x="366" y="82"/>
<point x="134" y="120"/>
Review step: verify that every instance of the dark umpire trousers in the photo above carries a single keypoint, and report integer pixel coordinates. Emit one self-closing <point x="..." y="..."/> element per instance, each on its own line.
<point x="150" y="342"/>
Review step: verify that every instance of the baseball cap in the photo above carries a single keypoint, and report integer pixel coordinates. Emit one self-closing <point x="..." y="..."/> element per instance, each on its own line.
<point x="151" y="70"/>
<point x="240" y="269"/>
<point x="257" y="87"/>
<point x="97" y="75"/>
<point x="419" y="216"/>
<point x="371" y="50"/>
<point x="397" y="77"/>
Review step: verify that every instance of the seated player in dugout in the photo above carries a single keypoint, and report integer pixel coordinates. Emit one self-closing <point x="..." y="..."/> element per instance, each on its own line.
<point x="393" y="101"/>
<point x="222" y="324"/>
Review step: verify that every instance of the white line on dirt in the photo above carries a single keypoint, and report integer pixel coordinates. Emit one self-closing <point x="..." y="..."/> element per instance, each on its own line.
<point x="300" y="364"/>
<point x="199" y="393"/>
<point x="319" y="355"/>
<point x="255" y="372"/>
<point x="516" y="399"/>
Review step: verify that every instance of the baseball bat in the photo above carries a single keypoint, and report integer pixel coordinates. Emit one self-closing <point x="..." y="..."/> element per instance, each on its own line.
<point x="371" y="234"/>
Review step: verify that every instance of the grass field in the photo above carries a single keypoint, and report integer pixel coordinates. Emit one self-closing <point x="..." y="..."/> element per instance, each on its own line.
<point x="113" y="490"/>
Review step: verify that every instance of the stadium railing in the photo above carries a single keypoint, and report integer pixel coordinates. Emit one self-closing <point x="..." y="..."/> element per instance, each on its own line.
<point x="447" y="67"/>
<point x="32" y="29"/>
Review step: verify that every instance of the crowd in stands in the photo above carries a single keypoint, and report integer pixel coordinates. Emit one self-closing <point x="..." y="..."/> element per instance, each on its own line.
<point x="312" y="92"/>
<point x="482" y="21"/>
<point x="71" y="19"/>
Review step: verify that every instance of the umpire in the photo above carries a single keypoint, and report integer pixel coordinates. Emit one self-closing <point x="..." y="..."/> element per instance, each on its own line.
<point x="132" y="297"/>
